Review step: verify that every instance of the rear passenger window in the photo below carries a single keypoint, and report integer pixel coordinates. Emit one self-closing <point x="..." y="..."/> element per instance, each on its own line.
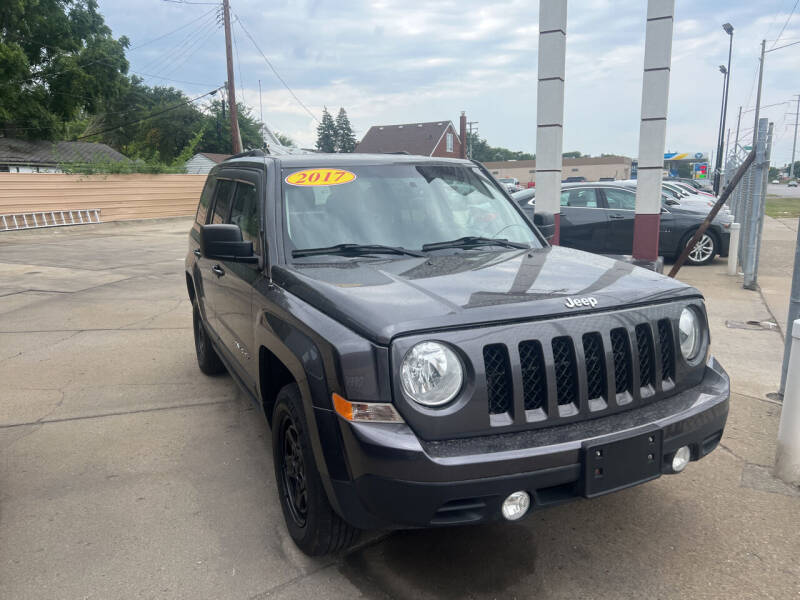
<point x="222" y="200"/>
<point x="620" y="199"/>
<point x="244" y="213"/>
<point x="205" y="200"/>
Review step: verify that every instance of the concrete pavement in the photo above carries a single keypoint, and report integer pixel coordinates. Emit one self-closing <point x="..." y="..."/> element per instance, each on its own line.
<point x="126" y="473"/>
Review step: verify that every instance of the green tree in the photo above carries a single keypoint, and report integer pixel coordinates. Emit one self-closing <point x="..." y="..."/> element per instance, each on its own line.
<point x="326" y="133"/>
<point x="774" y="173"/>
<point x="284" y="139"/>
<point x="345" y="139"/>
<point x="573" y="154"/>
<point x="483" y="152"/>
<point x="127" y="125"/>
<point x="58" y="62"/>
<point x="218" y="129"/>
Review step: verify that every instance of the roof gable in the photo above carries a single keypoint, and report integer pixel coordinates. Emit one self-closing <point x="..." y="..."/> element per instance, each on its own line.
<point x="414" y="138"/>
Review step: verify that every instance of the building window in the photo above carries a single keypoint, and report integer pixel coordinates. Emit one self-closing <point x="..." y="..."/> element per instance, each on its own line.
<point x="449" y="142"/>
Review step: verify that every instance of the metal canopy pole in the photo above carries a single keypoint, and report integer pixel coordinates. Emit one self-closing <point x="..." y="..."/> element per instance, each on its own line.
<point x="653" y="127"/>
<point x="550" y="109"/>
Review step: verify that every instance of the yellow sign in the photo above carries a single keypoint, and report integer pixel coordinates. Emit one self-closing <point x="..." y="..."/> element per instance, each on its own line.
<point x="311" y="177"/>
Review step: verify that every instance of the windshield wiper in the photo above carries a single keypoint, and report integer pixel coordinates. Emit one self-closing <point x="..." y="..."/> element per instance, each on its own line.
<point x="471" y="241"/>
<point x="355" y="250"/>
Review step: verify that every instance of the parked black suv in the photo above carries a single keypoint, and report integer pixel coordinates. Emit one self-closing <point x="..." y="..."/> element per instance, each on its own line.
<point x="425" y="358"/>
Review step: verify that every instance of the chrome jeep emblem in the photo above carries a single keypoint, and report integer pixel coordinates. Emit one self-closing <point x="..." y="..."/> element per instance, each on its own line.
<point x="575" y="302"/>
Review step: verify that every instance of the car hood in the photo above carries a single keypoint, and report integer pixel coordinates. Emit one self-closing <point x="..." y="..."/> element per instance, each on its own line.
<point x="382" y="299"/>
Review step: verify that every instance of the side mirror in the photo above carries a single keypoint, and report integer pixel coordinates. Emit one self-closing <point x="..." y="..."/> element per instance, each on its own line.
<point x="670" y="202"/>
<point x="224" y="242"/>
<point x="546" y="224"/>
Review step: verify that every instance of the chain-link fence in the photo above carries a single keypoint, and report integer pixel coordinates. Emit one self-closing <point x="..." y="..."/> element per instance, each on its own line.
<point x="747" y="200"/>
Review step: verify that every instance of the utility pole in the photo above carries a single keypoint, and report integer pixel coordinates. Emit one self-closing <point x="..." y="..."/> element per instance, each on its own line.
<point x="794" y="140"/>
<point x="260" y="113"/>
<point x="758" y="94"/>
<point x="235" y="135"/>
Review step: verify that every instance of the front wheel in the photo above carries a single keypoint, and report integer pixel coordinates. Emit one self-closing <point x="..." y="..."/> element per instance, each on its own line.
<point x="704" y="250"/>
<point x="313" y="524"/>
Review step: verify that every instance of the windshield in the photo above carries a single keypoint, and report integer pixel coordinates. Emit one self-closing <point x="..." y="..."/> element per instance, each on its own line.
<point x="401" y="206"/>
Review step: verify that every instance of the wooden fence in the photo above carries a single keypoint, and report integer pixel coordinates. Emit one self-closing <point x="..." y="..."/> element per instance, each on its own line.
<point x="119" y="197"/>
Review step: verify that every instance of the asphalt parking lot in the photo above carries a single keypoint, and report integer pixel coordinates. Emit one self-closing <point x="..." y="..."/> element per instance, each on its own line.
<point x="126" y="473"/>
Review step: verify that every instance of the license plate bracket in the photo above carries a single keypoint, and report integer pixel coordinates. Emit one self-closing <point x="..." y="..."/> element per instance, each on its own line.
<point x="612" y="464"/>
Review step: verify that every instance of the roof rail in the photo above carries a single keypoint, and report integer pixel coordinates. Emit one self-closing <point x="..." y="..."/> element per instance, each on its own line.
<point x="256" y="152"/>
<point x="399" y="152"/>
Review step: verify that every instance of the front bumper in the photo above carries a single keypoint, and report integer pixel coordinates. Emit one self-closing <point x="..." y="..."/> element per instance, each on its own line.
<point x="398" y="480"/>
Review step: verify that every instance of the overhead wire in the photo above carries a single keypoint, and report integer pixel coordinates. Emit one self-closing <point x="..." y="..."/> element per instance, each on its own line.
<point x="165" y="59"/>
<point x="161" y="112"/>
<point x="789" y="18"/>
<point x="274" y="70"/>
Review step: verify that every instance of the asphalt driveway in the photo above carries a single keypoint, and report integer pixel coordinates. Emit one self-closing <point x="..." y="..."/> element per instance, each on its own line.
<point x="126" y="473"/>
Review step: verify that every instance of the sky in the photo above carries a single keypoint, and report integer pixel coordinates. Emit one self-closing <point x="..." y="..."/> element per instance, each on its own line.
<point x="392" y="61"/>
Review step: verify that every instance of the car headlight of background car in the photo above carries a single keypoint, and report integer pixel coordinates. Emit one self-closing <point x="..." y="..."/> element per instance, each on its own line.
<point x="431" y="374"/>
<point x="691" y="334"/>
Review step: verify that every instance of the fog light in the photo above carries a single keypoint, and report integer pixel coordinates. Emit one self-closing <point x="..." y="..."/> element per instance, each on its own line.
<point x="682" y="457"/>
<point x="516" y="505"/>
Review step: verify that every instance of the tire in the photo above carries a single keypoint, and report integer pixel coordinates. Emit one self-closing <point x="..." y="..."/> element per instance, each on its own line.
<point x="705" y="250"/>
<point x="207" y="358"/>
<point x="312" y="523"/>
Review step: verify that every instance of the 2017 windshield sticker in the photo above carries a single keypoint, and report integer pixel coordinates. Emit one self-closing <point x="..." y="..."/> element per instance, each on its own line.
<point x="312" y="177"/>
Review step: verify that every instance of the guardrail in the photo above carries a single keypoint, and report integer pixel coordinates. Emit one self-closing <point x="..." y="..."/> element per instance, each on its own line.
<point x="53" y="218"/>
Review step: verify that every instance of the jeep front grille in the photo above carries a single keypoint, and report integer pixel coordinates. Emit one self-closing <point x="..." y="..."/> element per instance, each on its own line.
<point x="590" y="373"/>
<point x="566" y="372"/>
<point x="621" y="349"/>
<point x="667" y="350"/>
<point x="498" y="378"/>
<point x="644" y="343"/>
<point x="534" y="376"/>
<point x="594" y="358"/>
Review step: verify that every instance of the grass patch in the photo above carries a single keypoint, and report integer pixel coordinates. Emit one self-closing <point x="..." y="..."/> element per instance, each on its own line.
<point x="782" y="208"/>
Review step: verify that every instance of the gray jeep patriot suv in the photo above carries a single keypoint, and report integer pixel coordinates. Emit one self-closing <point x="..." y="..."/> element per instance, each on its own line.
<point x="425" y="358"/>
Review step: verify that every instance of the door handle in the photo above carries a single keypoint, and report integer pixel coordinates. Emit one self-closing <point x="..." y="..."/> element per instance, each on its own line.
<point x="616" y="216"/>
<point x="197" y="253"/>
<point x="218" y="271"/>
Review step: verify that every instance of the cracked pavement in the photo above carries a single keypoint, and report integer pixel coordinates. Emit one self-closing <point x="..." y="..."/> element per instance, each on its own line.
<point x="126" y="473"/>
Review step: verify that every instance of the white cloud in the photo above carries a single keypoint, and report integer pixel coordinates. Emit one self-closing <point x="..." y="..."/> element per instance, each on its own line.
<point x="392" y="61"/>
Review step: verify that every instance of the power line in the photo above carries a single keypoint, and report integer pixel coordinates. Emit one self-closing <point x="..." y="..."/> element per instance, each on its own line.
<point x="789" y="18"/>
<point x="238" y="65"/>
<point x="784" y="46"/>
<point x="164" y="60"/>
<point x="264" y="56"/>
<point x="169" y="33"/>
<point x="212" y="92"/>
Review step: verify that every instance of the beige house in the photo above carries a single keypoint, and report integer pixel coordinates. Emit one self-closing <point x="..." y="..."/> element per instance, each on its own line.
<point x="591" y="168"/>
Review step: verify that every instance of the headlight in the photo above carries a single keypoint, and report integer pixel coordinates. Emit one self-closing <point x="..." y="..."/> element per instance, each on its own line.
<point x="691" y="337"/>
<point x="431" y="374"/>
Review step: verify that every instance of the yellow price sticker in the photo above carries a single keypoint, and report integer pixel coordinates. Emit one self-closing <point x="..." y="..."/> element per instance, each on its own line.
<point x="311" y="177"/>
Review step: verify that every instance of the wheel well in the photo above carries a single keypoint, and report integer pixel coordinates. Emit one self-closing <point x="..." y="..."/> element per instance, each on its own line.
<point x="190" y="286"/>
<point x="273" y="375"/>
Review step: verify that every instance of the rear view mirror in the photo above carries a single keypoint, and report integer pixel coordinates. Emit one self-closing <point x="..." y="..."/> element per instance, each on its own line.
<point x="546" y="224"/>
<point x="224" y="242"/>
